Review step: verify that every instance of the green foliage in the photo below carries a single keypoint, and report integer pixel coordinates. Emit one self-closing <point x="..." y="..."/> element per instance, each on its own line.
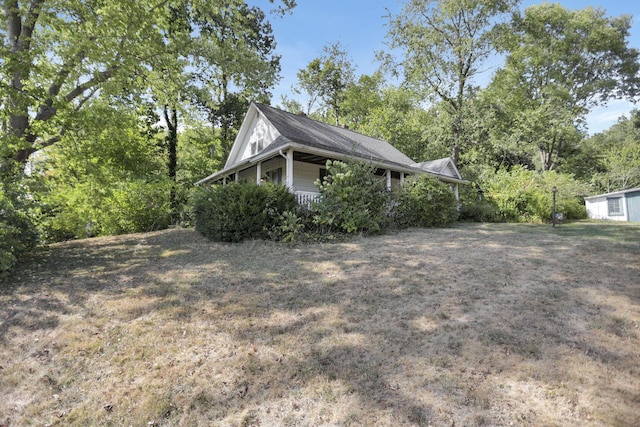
<point x="425" y="201"/>
<point x="480" y="211"/>
<point x="393" y="114"/>
<point x="444" y="43"/>
<point x="616" y="153"/>
<point x="238" y="211"/>
<point x="17" y="231"/>
<point x="560" y="63"/>
<point x="325" y="80"/>
<point x="353" y="199"/>
<point x="474" y="206"/>
<point x="126" y="207"/>
<point x="104" y="177"/>
<point x="290" y="228"/>
<point x="522" y="195"/>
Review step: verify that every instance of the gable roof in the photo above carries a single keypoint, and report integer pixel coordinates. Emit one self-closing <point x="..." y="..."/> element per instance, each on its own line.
<point x="443" y="167"/>
<point x="286" y="130"/>
<point x="303" y="130"/>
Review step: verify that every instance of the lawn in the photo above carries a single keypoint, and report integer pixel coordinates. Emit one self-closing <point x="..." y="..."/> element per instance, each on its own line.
<point x="483" y="324"/>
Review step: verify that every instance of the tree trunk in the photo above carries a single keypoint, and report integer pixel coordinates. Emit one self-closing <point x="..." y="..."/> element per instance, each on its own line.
<point x="171" y="117"/>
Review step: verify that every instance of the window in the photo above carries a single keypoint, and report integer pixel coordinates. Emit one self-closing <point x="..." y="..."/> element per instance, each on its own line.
<point x="615" y="208"/>
<point x="323" y="173"/>
<point x="256" y="147"/>
<point x="274" y="176"/>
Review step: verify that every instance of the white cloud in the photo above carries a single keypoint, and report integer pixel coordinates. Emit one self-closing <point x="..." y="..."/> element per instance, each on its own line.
<point x="602" y="118"/>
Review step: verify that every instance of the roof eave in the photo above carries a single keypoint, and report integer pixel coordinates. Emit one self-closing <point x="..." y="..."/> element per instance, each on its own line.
<point x="329" y="154"/>
<point x="614" y="193"/>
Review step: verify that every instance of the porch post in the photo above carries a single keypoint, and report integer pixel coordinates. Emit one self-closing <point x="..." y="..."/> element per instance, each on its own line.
<point x="455" y="192"/>
<point x="258" y="172"/>
<point x="388" y="179"/>
<point x="401" y="179"/>
<point x="289" y="170"/>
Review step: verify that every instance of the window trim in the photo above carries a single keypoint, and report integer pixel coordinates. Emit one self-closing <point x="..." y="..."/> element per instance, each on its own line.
<point x="614" y="201"/>
<point x="275" y="176"/>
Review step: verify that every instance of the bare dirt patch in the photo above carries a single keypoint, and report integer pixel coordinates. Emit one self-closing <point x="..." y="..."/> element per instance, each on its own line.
<point x="474" y="325"/>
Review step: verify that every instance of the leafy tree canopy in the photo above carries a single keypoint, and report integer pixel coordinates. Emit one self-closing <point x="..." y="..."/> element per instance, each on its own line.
<point x="325" y="80"/>
<point x="57" y="55"/>
<point x="442" y="45"/>
<point x="560" y="63"/>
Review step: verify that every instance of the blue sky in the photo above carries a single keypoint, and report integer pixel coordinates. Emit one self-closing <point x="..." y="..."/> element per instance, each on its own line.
<point x="360" y="27"/>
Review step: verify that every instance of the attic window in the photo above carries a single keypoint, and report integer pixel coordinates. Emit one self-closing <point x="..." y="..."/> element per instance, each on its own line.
<point x="615" y="208"/>
<point x="256" y="147"/>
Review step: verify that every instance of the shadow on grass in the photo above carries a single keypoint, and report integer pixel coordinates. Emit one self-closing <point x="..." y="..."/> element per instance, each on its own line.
<point x="424" y="327"/>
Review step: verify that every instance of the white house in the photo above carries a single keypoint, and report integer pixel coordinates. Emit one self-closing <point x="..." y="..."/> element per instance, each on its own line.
<point x="617" y="206"/>
<point x="284" y="148"/>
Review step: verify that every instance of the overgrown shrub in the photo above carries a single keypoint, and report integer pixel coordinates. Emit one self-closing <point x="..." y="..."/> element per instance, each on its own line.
<point x="126" y="207"/>
<point x="522" y="195"/>
<point x="17" y="231"/>
<point x="424" y="201"/>
<point x="238" y="211"/>
<point x="480" y="211"/>
<point x="353" y="199"/>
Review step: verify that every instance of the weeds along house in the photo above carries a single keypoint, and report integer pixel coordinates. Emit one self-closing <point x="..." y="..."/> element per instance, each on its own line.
<point x="284" y="148"/>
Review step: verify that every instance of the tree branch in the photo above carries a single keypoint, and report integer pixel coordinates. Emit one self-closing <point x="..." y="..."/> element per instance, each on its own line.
<point x="30" y="23"/>
<point x="86" y="98"/>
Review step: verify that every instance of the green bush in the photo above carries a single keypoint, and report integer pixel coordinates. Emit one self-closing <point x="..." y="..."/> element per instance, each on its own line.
<point x="424" y="201"/>
<point x="135" y="206"/>
<point x="238" y="211"/>
<point x="353" y="199"/>
<point x="480" y="211"/>
<point x="17" y="231"/>
<point x="522" y="195"/>
<point x="86" y="210"/>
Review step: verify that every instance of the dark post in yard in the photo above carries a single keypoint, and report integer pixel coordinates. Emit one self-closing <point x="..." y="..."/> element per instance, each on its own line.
<point x="553" y="213"/>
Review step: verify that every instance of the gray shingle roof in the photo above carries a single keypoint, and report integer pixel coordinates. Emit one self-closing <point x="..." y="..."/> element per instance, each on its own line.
<point x="304" y="130"/>
<point x="439" y="167"/>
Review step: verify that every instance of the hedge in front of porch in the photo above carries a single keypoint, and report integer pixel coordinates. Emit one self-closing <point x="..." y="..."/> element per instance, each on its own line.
<point x="240" y="210"/>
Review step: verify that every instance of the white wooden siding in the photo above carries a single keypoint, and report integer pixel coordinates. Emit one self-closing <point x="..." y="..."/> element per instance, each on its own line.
<point x="248" y="174"/>
<point x="261" y="134"/>
<point x="305" y="175"/>
<point x="598" y="208"/>
<point x="275" y="163"/>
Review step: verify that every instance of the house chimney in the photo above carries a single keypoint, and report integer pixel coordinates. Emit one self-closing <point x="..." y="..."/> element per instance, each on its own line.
<point x="344" y="126"/>
<point x="302" y="113"/>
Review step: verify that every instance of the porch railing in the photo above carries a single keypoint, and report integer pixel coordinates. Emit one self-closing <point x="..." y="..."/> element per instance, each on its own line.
<point x="305" y="198"/>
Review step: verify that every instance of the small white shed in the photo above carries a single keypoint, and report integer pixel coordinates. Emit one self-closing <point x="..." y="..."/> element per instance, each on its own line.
<point x="617" y="206"/>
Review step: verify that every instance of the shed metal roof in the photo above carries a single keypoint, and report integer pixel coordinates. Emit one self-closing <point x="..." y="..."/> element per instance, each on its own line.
<point x="615" y="193"/>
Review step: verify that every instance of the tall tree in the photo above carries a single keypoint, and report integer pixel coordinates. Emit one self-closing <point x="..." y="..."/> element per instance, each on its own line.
<point x="561" y="63"/>
<point x="442" y="45"/>
<point x="233" y="61"/>
<point x="389" y="113"/>
<point x="57" y="55"/>
<point x="325" y="80"/>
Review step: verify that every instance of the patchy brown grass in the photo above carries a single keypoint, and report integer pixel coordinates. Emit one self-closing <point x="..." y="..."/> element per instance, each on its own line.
<point x="474" y="325"/>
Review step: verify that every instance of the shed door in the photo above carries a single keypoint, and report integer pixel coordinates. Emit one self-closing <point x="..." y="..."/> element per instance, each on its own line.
<point x="633" y="206"/>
